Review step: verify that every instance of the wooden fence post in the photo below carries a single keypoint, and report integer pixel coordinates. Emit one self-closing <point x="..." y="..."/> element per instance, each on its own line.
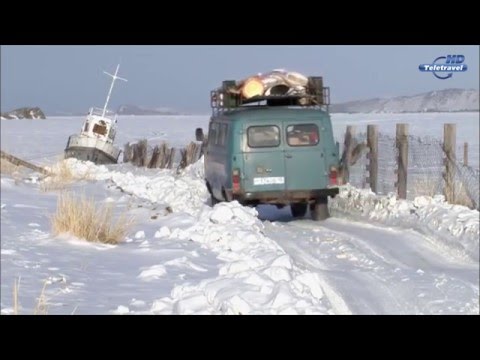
<point x="372" y="143"/>
<point x="143" y="144"/>
<point x="348" y="146"/>
<point x="127" y="153"/>
<point x="465" y="153"/>
<point x="134" y="154"/>
<point x="171" y="157"/>
<point x="402" y="162"/>
<point x="165" y="155"/>
<point x="449" y="147"/>
<point x="155" y="157"/>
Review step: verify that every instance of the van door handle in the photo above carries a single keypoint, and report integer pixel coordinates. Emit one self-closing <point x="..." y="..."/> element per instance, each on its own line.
<point x="288" y="156"/>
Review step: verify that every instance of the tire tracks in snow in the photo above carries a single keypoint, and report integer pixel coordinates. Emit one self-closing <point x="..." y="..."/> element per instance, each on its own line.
<point x="369" y="269"/>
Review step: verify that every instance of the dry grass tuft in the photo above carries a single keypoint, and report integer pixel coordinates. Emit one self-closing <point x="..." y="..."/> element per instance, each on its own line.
<point x="7" y="168"/>
<point x="429" y="187"/>
<point x="61" y="177"/>
<point x="460" y="196"/>
<point x="41" y="307"/>
<point x="81" y="217"/>
<point x="424" y="187"/>
<point x="16" y="286"/>
<point x="14" y="171"/>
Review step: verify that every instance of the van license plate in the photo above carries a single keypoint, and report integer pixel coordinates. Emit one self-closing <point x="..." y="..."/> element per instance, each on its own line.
<point x="268" y="180"/>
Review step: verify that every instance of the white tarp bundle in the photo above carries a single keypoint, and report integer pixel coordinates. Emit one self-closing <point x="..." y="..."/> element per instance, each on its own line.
<point x="276" y="82"/>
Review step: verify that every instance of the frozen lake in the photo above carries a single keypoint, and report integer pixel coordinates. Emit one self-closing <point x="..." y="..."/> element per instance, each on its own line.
<point x="179" y="130"/>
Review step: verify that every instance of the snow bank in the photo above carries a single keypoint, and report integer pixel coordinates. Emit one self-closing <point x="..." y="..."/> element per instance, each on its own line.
<point x="256" y="274"/>
<point x="195" y="170"/>
<point x="183" y="192"/>
<point x="85" y="169"/>
<point x="450" y="226"/>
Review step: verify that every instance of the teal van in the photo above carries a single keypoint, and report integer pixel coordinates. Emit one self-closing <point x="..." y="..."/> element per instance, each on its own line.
<point x="272" y="154"/>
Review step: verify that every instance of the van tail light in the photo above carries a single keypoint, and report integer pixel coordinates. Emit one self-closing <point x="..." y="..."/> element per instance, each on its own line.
<point x="235" y="181"/>
<point x="333" y="175"/>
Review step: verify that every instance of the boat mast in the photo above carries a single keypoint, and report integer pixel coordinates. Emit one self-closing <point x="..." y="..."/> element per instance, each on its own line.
<point x="114" y="77"/>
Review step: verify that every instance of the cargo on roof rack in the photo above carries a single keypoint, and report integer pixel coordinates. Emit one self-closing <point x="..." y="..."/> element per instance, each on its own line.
<point x="273" y="89"/>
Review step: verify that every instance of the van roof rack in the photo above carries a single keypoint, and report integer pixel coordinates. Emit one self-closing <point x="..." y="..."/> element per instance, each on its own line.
<point x="228" y="98"/>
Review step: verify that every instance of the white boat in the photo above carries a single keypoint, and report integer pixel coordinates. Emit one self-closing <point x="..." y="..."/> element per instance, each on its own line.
<point x="95" y="141"/>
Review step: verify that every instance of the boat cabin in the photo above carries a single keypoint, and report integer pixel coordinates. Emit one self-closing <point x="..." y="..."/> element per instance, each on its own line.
<point x="100" y="126"/>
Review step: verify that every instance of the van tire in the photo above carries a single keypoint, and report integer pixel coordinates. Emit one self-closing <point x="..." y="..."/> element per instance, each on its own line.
<point x="298" y="209"/>
<point x="213" y="200"/>
<point x="319" y="209"/>
<point x="224" y="194"/>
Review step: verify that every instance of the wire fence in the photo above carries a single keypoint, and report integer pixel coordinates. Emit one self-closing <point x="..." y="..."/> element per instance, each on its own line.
<point x="467" y="181"/>
<point x="426" y="169"/>
<point x="358" y="169"/>
<point x="387" y="163"/>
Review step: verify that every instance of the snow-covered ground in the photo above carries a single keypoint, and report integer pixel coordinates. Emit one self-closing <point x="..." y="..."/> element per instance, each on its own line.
<point x="376" y="255"/>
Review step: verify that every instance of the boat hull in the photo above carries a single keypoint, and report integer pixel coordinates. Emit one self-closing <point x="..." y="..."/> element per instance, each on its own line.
<point x="87" y="149"/>
<point x="90" y="154"/>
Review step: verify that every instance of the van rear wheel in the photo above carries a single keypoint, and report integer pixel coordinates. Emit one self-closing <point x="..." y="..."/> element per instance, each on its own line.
<point x="298" y="209"/>
<point x="319" y="209"/>
<point x="213" y="200"/>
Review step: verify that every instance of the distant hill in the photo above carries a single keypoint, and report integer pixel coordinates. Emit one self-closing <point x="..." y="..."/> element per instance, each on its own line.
<point x="138" y="110"/>
<point x="448" y="100"/>
<point x="24" y="113"/>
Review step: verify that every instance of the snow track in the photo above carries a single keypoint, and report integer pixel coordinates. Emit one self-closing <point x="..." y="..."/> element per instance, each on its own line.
<point x="368" y="269"/>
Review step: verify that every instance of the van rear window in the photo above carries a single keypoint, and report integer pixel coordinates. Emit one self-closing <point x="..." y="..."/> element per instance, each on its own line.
<point x="218" y="134"/>
<point x="302" y="135"/>
<point x="263" y="136"/>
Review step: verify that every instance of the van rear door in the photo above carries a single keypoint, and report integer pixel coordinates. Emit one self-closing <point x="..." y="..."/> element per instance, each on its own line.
<point x="264" y="163"/>
<point x="304" y="156"/>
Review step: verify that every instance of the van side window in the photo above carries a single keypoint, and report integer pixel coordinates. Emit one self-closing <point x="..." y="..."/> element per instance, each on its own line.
<point x="302" y="135"/>
<point x="212" y="133"/>
<point x="217" y="134"/>
<point x="222" y="139"/>
<point x="263" y="136"/>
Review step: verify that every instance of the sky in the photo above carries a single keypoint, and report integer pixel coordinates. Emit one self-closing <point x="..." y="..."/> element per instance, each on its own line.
<point x="70" y="78"/>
